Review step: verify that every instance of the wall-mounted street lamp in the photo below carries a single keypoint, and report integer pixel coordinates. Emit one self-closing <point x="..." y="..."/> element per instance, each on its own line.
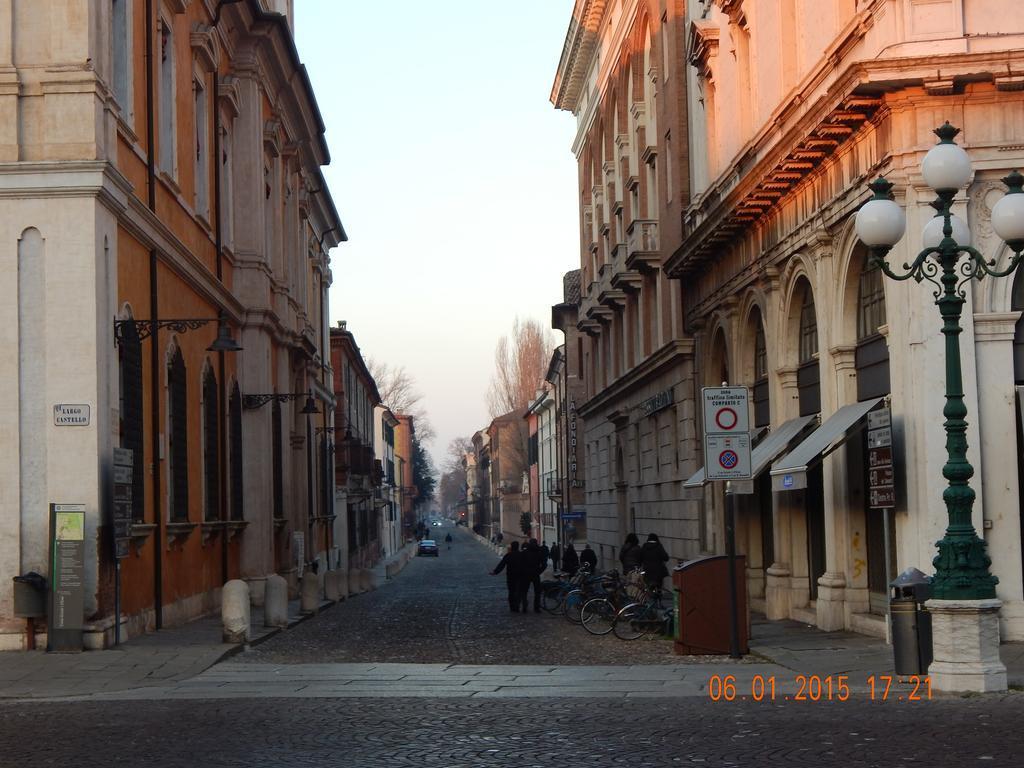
<point x="950" y="263"/>
<point x="252" y="402"/>
<point x="145" y="328"/>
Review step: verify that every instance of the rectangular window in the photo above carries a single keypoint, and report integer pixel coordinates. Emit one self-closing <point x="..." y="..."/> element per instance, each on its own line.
<point x="121" y="74"/>
<point x="168" y="123"/>
<point x="177" y="434"/>
<point x="227" y="188"/>
<point x="202" y="136"/>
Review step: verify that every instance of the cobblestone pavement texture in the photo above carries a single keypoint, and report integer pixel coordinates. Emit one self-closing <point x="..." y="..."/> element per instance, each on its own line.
<point x="450" y="609"/>
<point x="525" y="734"/>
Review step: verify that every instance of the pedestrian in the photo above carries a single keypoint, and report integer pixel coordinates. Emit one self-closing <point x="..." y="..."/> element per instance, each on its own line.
<point x="511" y="564"/>
<point x="588" y="558"/>
<point x="448" y="540"/>
<point x="556" y="557"/>
<point x="630" y="554"/>
<point x="652" y="559"/>
<point x="532" y="567"/>
<point x="570" y="560"/>
<point x="546" y="553"/>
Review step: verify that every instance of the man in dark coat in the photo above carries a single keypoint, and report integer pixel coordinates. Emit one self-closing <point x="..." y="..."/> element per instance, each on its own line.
<point x="532" y="567"/>
<point x="512" y="565"/>
<point x="556" y="556"/>
<point x="652" y="559"/>
<point x="545" y="554"/>
<point x="588" y="557"/>
<point x="570" y="560"/>
<point x="629" y="556"/>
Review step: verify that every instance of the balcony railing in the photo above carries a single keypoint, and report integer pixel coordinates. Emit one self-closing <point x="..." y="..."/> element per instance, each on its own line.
<point x="643" y="246"/>
<point x="553" y="488"/>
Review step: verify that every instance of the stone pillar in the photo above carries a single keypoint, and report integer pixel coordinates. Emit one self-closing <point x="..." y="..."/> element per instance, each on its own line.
<point x="235" y="611"/>
<point x="275" y="602"/>
<point x="965" y="643"/>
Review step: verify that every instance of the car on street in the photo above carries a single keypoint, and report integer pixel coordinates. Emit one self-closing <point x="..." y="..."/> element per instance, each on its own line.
<point x="427" y="547"/>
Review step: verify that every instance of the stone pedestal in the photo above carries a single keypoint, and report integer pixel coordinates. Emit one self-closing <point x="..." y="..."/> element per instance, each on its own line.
<point x="332" y="586"/>
<point x="310" y="596"/>
<point x="965" y="645"/>
<point x="235" y="611"/>
<point x="777" y="593"/>
<point x="831" y="603"/>
<point x="275" y="602"/>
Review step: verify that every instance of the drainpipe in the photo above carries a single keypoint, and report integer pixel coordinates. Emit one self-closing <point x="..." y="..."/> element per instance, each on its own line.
<point x="154" y="364"/>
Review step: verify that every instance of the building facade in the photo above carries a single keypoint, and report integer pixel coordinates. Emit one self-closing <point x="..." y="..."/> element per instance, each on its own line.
<point x="387" y="497"/>
<point x="160" y="170"/>
<point x="790" y="114"/>
<point x="507" y="462"/>
<point x="405" y="431"/>
<point x="359" y="521"/>
<point x="621" y="76"/>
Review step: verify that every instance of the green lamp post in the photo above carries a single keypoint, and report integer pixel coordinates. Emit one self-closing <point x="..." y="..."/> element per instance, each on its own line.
<point x="950" y="263"/>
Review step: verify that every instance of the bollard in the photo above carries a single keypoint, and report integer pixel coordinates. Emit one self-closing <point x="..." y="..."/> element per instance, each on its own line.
<point x="369" y="580"/>
<point x="309" y="601"/>
<point x="235" y="611"/>
<point x="355" y="584"/>
<point x="331" y="586"/>
<point x="275" y="602"/>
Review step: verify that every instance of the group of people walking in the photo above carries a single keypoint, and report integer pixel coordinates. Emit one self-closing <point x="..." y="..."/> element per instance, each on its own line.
<point x="524" y="565"/>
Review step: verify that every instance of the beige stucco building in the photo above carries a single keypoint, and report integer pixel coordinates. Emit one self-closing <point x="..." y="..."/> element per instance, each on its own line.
<point x="621" y="75"/>
<point x="793" y="106"/>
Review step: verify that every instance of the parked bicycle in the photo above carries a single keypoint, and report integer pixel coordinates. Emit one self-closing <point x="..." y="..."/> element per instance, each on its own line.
<point x="648" y="616"/>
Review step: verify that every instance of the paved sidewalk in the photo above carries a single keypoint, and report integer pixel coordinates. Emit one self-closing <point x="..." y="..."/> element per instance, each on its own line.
<point x="161" y="658"/>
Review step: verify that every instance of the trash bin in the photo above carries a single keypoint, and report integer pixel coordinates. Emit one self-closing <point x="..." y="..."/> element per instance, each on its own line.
<point x="30" y="596"/>
<point x="702" y="605"/>
<point x="911" y="622"/>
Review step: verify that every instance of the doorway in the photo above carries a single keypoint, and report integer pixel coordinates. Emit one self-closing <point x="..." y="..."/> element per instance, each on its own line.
<point x="814" y="507"/>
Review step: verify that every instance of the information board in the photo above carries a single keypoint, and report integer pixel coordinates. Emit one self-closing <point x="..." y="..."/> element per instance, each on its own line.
<point x="123" y="473"/>
<point x="881" y="473"/>
<point x="67" y="577"/>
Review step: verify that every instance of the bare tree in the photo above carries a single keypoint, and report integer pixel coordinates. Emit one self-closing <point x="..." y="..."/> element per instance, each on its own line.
<point x="398" y="392"/>
<point x="457" y="449"/>
<point x="520" y="363"/>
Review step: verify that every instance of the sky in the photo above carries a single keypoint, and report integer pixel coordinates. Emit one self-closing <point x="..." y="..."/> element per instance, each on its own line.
<point x="454" y="178"/>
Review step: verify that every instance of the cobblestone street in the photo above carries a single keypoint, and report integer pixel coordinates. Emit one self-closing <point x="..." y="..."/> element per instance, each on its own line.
<point x="433" y="669"/>
<point x="449" y="609"/>
<point x="537" y="733"/>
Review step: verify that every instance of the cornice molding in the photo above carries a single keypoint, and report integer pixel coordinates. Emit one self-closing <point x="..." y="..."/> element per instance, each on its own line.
<point x="577" y="53"/>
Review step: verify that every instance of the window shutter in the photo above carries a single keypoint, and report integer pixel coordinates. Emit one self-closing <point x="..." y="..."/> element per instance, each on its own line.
<point x="179" y="437"/>
<point x="235" y="426"/>
<point x="211" y="453"/>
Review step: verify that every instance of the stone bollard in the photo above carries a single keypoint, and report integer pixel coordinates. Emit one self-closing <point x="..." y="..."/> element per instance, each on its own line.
<point x="355" y="582"/>
<point x="309" y="600"/>
<point x="235" y="611"/>
<point x="369" y="580"/>
<point x="275" y="602"/>
<point x="343" y="586"/>
<point x="331" y="591"/>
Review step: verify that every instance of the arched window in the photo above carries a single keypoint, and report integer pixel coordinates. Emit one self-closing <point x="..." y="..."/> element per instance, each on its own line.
<point x="872" y="355"/>
<point x="130" y="359"/>
<point x="762" y="410"/>
<point x="177" y="437"/>
<point x="808" y="374"/>
<point x="235" y="438"/>
<point x="211" y="449"/>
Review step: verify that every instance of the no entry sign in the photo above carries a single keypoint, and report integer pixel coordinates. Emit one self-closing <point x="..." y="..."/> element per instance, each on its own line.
<point x="726" y="433"/>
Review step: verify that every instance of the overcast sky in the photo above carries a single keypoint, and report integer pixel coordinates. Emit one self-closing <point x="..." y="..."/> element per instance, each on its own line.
<point x="454" y="178"/>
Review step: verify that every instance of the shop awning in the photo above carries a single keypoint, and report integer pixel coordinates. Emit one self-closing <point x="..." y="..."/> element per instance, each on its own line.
<point x="790" y="472"/>
<point x="769" y="448"/>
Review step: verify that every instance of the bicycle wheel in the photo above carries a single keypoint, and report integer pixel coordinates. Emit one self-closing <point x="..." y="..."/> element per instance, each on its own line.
<point x="552" y="599"/>
<point x="574" y="605"/>
<point x="598" y="616"/>
<point x="628" y="624"/>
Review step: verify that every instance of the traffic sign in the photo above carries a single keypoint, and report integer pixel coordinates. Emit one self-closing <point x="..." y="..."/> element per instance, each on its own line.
<point x="727" y="457"/>
<point x="725" y="410"/>
<point x="726" y="433"/>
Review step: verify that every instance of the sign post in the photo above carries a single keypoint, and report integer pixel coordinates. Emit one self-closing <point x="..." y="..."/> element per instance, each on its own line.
<point x="727" y="457"/>
<point x="881" y="474"/>
<point x="67" y="578"/>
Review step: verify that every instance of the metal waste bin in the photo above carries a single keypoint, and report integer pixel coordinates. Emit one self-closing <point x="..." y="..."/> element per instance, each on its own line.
<point x="911" y="622"/>
<point x="30" y="596"/>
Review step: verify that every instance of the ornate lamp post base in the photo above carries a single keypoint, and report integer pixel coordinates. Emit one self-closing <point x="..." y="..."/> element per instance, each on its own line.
<point x="965" y="646"/>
